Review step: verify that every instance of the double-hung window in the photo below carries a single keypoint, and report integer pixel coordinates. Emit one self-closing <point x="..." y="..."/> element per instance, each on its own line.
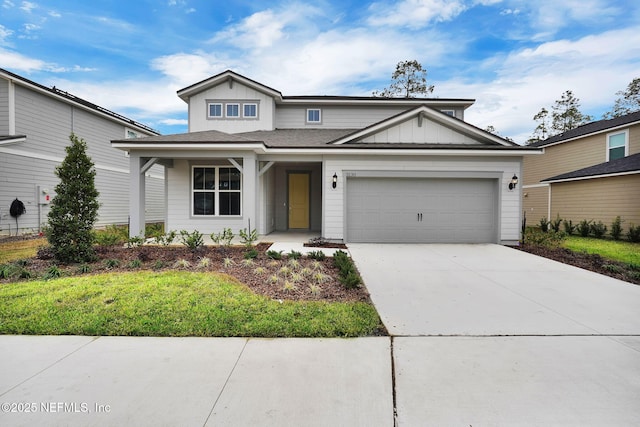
<point x="216" y="191"/>
<point x="215" y="110"/>
<point x="250" y="111"/>
<point x="314" y="115"/>
<point x="233" y="110"/>
<point x="617" y="145"/>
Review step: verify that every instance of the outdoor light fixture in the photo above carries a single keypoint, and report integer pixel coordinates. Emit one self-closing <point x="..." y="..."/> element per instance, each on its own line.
<point x="334" y="184"/>
<point x="514" y="182"/>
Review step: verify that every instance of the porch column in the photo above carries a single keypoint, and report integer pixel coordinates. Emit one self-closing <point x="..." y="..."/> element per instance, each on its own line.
<point x="136" y="196"/>
<point x="250" y="190"/>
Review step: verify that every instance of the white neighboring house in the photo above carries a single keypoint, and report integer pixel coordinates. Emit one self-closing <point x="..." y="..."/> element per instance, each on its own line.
<point x="35" y="124"/>
<point x="352" y="169"/>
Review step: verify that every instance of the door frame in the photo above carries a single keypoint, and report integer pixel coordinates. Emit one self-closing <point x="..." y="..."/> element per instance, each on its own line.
<point x="300" y="172"/>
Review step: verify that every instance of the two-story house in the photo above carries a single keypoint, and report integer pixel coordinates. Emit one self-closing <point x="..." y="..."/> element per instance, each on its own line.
<point x="35" y="124"/>
<point x="591" y="172"/>
<point x="354" y="169"/>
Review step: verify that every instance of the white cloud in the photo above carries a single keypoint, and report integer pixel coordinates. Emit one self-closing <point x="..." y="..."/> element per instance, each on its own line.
<point x="4" y="34"/>
<point x="8" y="4"/>
<point x="415" y="13"/>
<point x="184" y="69"/>
<point x="19" y="62"/>
<point x="28" y="6"/>
<point x="54" y="14"/>
<point x="174" y="122"/>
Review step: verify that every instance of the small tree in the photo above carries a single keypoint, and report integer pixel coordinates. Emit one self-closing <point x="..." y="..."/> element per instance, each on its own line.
<point x="408" y="80"/>
<point x="541" y="132"/>
<point x="74" y="209"/>
<point x="566" y="114"/>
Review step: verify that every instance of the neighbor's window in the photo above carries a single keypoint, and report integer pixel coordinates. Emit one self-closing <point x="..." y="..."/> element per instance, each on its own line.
<point x="250" y="111"/>
<point x="617" y="144"/>
<point x="233" y="110"/>
<point x="216" y="191"/>
<point x="314" y="115"/>
<point x="215" y="110"/>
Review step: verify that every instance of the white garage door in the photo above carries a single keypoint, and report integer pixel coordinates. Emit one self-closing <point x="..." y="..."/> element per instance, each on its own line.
<point x="422" y="210"/>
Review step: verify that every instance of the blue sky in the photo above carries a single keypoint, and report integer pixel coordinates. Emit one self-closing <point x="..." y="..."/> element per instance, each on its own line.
<point x="513" y="56"/>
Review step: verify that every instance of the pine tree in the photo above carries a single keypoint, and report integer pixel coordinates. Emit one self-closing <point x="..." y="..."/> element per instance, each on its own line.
<point x="566" y="114"/>
<point x="541" y="132"/>
<point x="628" y="101"/>
<point x="74" y="209"/>
<point x="408" y="79"/>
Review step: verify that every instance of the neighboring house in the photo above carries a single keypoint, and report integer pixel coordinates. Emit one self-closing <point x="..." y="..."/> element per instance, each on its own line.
<point x="591" y="172"/>
<point x="354" y="169"/>
<point x="35" y="124"/>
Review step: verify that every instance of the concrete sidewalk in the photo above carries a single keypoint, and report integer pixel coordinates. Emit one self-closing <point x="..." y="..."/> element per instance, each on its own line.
<point x="128" y="381"/>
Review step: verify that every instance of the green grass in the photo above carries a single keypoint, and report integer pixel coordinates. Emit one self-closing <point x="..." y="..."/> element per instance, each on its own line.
<point x="615" y="250"/>
<point x="170" y="304"/>
<point x="20" y="249"/>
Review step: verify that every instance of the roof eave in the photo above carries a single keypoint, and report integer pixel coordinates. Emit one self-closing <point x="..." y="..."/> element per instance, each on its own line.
<point x="582" y="178"/>
<point x="226" y="76"/>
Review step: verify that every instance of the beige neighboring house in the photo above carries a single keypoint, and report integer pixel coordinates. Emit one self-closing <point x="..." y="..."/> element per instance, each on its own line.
<point x="591" y="172"/>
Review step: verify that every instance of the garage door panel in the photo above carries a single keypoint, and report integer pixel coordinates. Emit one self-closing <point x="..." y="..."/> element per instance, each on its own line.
<point x="452" y="210"/>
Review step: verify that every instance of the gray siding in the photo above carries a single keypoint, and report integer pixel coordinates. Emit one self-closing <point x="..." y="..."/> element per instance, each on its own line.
<point x="4" y="107"/>
<point x="48" y="122"/>
<point x="336" y="117"/>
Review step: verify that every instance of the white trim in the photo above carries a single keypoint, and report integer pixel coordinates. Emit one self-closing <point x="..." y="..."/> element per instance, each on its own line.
<point x="313" y="122"/>
<point x="611" y="129"/>
<point x="216" y="191"/>
<point x="226" y="110"/>
<point x="549" y="204"/>
<point x="245" y="104"/>
<point x="534" y="186"/>
<point x="12" y="107"/>
<point x="626" y="142"/>
<point x="60" y="160"/>
<point x="583" y="178"/>
<point x="13" y="140"/>
<point x="209" y="116"/>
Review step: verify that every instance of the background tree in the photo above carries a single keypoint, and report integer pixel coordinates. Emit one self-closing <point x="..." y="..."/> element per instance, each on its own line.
<point x="628" y="101"/>
<point x="408" y="80"/>
<point x="493" y="130"/>
<point x="541" y="132"/>
<point x="566" y="114"/>
<point x="74" y="209"/>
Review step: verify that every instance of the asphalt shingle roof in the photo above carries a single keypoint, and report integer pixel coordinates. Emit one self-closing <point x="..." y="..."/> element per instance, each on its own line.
<point x="626" y="164"/>
<point x="590" y="128"/>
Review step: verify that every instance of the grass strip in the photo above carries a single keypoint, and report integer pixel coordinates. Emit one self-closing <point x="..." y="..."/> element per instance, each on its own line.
<point x="615" y="250"/>
<point x="170" y="304"/>
<point x="20" y="249"/>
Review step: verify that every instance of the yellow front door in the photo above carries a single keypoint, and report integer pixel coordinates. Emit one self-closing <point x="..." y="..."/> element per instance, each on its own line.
<point x="299" y="200"/>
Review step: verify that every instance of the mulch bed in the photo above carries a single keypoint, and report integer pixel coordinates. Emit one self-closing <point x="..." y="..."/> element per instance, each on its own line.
<point x="161" y="258"/>
<point x="591" y="262"/>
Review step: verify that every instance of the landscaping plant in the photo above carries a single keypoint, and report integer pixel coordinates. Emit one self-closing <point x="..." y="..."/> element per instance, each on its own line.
<point x="598" y="229"/>
<point x="616" y="228"/>
<point x="584" y="228"/>
<point x="74" y="208"/>
<point x="193" y="241"/>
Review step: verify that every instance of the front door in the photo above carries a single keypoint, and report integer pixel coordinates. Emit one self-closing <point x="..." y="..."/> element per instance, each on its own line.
<point x="299" y="200"/>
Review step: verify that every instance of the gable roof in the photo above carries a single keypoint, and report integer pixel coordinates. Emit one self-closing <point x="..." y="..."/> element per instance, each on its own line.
<point x="425" y="112"/>
<point x="72" y="99"/>
<point x="591" y="128"/>
<point x="626" y="165"/>
<point x="230" y="77"/>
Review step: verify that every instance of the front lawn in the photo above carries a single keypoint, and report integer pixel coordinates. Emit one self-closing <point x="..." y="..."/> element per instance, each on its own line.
<point x="171" y="303"/>
<point x="616" y="250"/>
<point x="13" y="250"/>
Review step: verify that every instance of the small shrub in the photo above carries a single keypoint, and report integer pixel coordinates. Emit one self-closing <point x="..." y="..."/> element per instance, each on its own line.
<point x="108" y="237"/>
<point x="273" y="279"/>
<point x="228" y="262"/>
<point x="53" y="273"/>
<point x="259" y="271"/>
<point x="25" y="274"/>
<point x="22" y="262"/>
<point x="223" y="238"/>
<point x="274" y="254"/>
<point x="204" y="262"/>
<point x="284" y="270"/>
<point x="251" y="254"/>
<point x="296" y="277"/>
<point x="248" y="262"/>
<point x="320" y="277"/>
<point x="348" y="275"/>
<point x="549" y="239"/>
<point x="289" y="286"/>
<point x="351" y="280"/>
<point x="598" y="229"/>
<point x="193" y="241"/>
<point x="182" y="263"/>
<point x="111" y="263"/>
<point x="134" y="242"/>
<point x="294" y="255"/>
<point x="613" y="268"/>
<point x="306" y="272"/>
<point x="569" y="227"/>
<point x="317" y="265"/>
<point x="154" y="230"/>
<point x="159" y="264"/>
<point x="83" y="269"/>
<point x="544" y="224"/>
<point x="317" y="255"/>
<point x="167" y="238"/>
<point x="634" y="233"/>
<point x="616" y="228"/>
<point x="7" y="271"/>
<point x="273" y="264"/>
<point x="294" y="263"/>
<point x="135" y="263"/>
<point x="556" y="223"/>
<point x="584" y="228"/>
<point x="248" y="238"/>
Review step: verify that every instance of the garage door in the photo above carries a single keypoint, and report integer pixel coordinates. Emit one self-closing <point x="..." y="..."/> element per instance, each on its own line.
<point x="421" y="210"/>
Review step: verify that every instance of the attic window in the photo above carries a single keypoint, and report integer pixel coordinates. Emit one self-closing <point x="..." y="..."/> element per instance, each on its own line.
<point x="314" y="115"/>
<point x="215" y="110"/>
<point x="449" y="112"/>
<point x="233" y="110"/>
<point x="617" y="145"/>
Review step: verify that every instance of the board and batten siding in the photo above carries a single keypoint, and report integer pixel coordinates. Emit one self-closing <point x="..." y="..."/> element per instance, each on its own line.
<point x="334" y="210"/>
<point x="430" y="132"/>
<point x="198" y="120"/>
<point x="47" y="123"/>
<point x="598" y="199"/>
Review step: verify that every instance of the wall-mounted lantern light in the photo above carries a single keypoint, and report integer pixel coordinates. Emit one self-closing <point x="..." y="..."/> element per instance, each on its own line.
<point x="514" y="182"/>
<point x="334" y="184"/>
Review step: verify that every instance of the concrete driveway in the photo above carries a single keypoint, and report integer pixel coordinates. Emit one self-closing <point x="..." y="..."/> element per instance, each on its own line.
<point x="488" y="335"/>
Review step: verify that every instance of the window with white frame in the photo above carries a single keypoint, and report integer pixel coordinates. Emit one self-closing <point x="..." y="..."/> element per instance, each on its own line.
<point x="232" y="110"/>
<point x="249" y="111"/>
<point x="451" y="113"/>
<point x="216" y="191"/>
<point x="314" y="115"/>
<point x="214" y="110"/>
<point x="617" y="145"/>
